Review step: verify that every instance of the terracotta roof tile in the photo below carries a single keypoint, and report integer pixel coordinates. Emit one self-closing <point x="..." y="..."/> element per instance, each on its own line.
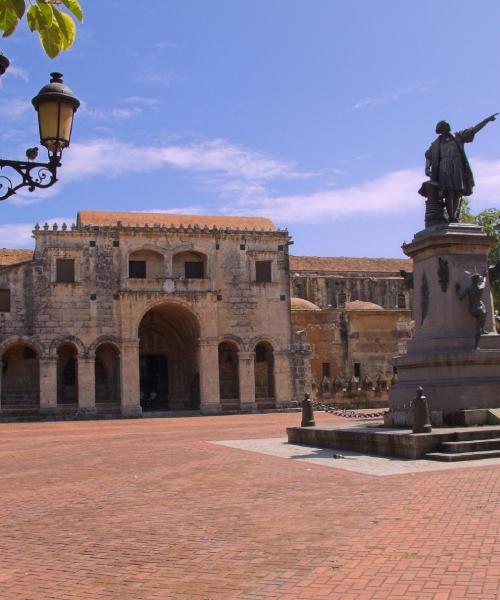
<point x="329" y="264"/>
<point x="10" y="256"/>
<point x="138" y="219"/>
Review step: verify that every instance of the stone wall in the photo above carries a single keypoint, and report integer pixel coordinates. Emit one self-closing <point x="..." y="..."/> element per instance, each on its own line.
<point x="105" y="306"/>
<point x="355" y="347"/>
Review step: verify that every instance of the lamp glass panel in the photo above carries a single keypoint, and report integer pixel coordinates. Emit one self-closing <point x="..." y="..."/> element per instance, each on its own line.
<point x="65" y="122"/>
<point x="55" y="124"/>
<point x="48" y="120"/>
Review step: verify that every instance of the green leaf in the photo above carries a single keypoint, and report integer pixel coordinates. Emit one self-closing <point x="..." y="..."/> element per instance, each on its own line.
<point x="52" y="40"/>
<point x="18" y="6"/>
<point x="8" y="18"/>
<point x="45" y="16"/>
<point x="67" y="27"/>
<point x="31" y="17"/>
<point x="74" y="7"/>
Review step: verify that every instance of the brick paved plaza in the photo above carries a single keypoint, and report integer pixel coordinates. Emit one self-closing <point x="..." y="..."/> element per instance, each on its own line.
<point x="145" y="509"/>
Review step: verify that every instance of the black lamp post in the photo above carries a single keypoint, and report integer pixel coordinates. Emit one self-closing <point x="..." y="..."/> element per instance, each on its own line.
<point x="56" y="105"/>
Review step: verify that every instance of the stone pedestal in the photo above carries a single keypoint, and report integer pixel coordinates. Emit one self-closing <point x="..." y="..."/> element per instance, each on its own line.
<point x="442" y="357"/>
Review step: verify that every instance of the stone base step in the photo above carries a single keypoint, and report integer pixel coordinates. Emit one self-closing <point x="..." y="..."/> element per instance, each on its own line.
<point x="459" y="456"/>
<point x="470" y="445"/>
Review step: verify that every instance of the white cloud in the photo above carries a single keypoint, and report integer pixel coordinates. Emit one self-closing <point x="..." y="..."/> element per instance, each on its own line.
<point x="487" y="190"/>
<point x="115" y="158"/>
<point x="19" y="235"/>
<point x="390" y="193"/>
<point x="391" y="95"/>
<point x="18" y="73"/>
<point x="109" y="114"/>
<point x="13" y="109"/>
<point x="142" y="100"/>
<point x="159" y="78"/>
<point x="243" y="180"/>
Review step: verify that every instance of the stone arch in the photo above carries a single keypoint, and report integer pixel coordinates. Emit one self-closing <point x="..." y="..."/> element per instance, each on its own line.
<point x="20" y="376"/>
<point x="264" y="374"/>
<point x="147" y="247"/>
<point x="170" y="302"/>
<point x="103" y="339"/>
<point x="262" y="338"/>
<point x="24" y="340"/>
<point x="190" y="264"/>
<point x="146" y="262"/>
<point x="229" y="384"/>
<point x="107" y="374"/>
<point x="66" y="339"/>
<point x="235" y="339"/>
<point x="169" y="335"/>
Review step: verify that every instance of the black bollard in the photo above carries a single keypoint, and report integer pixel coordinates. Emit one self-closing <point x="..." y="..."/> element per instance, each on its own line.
<point x="421" y="418"/>
<point x="307" y="412"/>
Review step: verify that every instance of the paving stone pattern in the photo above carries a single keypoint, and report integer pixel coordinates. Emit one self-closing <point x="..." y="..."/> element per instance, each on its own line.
<point x="146" y="509"/>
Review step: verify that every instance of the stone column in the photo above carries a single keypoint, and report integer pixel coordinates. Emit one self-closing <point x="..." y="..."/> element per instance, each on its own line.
<point x="1" y="376"/>
<point x="246" y="375"/>
<point x="48" y="385"/>
<point x="129" y="375"/>
<point x="86" y="385"/>
<point x="283" y="380"/>
<point x="209" y="376"/>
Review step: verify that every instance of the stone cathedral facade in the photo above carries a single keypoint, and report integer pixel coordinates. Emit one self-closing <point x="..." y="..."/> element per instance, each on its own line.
<point x="125" y="313"/>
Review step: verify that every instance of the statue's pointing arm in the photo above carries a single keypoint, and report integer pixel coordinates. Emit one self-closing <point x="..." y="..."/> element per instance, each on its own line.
<point x="467" y="135"/>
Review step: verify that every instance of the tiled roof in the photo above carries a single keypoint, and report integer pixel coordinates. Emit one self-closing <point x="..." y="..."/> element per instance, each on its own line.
<point x="301" y="304"/>
<point x="138" y="219"/>
<point x="329" y="264"/>
<point x="9" y="256"/>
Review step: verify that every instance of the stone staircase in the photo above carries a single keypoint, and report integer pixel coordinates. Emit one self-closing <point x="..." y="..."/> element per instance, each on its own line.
<point x="470" y="445"/>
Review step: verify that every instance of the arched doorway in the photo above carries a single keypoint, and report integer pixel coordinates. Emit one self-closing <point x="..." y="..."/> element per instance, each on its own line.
<point x="67" y="377"/>
<point x="107" y="379"/>
<point x="168" y="359"/>
<point x="264" y="375"/>
<point x="20" y="379"/>
<point x="229" y="384"/>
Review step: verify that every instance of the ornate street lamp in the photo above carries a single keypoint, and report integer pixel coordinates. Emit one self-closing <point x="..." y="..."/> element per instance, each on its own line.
<point x="4" y="63"/>
<point x="56" y="105"/>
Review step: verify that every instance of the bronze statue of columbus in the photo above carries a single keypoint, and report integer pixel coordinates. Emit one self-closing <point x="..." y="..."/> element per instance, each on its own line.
<point x="448" y="169"/>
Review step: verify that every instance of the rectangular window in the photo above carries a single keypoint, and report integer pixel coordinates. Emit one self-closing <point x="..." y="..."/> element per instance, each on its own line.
<point x="4" y="300"/>
<point x="137" y="269"/>
<point x="263" y="271"/>
<point x="326" y="369"/>
<point x="357" y="370"/>
<point x="193" y="270"/>
<point x="65" y="270"/>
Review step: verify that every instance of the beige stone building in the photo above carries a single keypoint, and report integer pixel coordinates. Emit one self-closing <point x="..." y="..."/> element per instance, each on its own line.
<point x="356" y="313"/>
<point x="132" y="312"/>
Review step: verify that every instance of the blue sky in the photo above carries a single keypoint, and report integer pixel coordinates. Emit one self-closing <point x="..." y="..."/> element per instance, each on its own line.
<point x="314" y="113"/>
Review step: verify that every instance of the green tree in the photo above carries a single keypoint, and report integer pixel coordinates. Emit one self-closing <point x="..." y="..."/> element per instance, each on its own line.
<point x="489" y="220"/>
<point x="54" y="20"/>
